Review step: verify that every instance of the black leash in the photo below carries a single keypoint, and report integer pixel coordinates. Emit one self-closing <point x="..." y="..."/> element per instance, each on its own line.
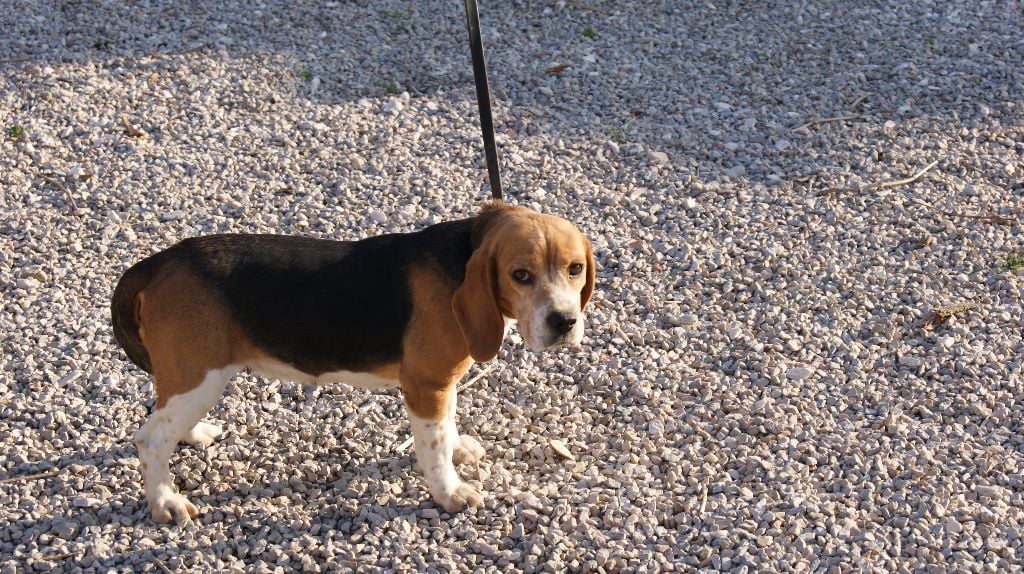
<point x="483" y="98"/>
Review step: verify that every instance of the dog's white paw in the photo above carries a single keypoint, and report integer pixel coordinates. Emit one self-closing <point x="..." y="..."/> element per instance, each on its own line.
<point x="462" y="496"/>
<point x="467" y="451"/>
<point x="172" y="506"/>
<point x="203" y="434"/>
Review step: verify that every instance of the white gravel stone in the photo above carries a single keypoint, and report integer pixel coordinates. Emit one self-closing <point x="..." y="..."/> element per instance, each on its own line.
<point x="910" y="361"/>
<point x="798" y="373"/>
<point x="393" y="107"/>
<point x="736" y="171"/>
<point x="85" y="502"/>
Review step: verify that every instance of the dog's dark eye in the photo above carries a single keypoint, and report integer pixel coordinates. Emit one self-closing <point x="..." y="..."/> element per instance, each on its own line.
<point x="575" y="269"/>
<point x="521" y="276"/>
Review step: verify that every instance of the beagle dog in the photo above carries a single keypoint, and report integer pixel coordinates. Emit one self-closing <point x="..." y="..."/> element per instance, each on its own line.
<point x="411" y="310"/>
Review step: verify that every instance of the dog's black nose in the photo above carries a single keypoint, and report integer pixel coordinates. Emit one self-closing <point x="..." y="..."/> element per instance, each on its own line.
<point x="561" y="323"/>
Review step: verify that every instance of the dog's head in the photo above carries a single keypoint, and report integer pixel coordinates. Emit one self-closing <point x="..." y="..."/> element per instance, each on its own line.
<point x="532" y="268"/>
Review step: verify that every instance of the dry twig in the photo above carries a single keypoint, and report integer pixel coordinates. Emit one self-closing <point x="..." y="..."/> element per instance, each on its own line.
<point x="163" y="567"/>
<point x="55" y="557"/>
<point x="989" y="218"/>
<point x="60" y="186"/>
<point x="820" y="121"/>
<point x="881" y="185"/>
<point x="860" y="100"/>
<point x="38" y="475"/>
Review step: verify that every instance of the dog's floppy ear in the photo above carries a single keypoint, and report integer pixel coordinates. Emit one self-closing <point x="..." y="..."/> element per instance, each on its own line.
<point x="475" y="305"/>
<point x="588" y="287"/>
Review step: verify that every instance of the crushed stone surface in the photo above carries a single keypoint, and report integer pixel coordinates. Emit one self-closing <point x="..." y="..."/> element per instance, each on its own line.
<point x="773" y="379"/>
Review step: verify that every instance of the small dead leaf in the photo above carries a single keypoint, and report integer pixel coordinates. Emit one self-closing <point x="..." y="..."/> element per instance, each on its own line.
<point x="560" y="449"/>
<point x="132" y="130"/>
<point x="923" y="241"/>
<point x="935" y="320"/>
<point x="942" y="314"/>
<point x="556" y="70"/>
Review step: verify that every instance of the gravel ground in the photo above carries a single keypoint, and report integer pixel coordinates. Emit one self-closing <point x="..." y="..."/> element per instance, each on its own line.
<point x="773" y="379"/>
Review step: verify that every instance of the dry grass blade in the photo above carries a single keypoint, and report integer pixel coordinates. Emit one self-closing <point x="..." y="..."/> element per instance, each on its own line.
<point x="479" y="376"/>
<point x="38" y="475"/>
<point x="556" y="70"/>
<point x="881" y="185"/>
<point x="942" y="314"/>
<point x="819" y="121"/>
<point x="989" y="218"/>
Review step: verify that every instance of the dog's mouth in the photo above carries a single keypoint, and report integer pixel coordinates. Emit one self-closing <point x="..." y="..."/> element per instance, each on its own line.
<point x="561" y="341"/>
<point x="548" y="342"/>
<point x="558" y="340"/>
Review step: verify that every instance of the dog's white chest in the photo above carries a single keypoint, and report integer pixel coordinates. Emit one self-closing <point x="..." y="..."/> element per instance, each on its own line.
<point x="275" y="370"/>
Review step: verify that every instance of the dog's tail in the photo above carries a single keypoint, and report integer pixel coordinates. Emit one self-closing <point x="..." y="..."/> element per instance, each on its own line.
<point x="125" y="307"/>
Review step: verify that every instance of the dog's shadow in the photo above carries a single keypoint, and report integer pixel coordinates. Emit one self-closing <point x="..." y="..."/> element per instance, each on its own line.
<point x="96" y="495"/>
<point x="360" y="481"/>
<point x="99" y="487"/>
<point x="95" y="504"/>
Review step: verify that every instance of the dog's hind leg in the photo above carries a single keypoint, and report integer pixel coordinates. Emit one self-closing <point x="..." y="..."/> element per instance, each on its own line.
<point x="194" y="350"/>
<point x="176" y="419"/>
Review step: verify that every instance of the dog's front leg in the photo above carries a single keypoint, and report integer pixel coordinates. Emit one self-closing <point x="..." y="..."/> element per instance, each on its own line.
<point x="432" y="418"/>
